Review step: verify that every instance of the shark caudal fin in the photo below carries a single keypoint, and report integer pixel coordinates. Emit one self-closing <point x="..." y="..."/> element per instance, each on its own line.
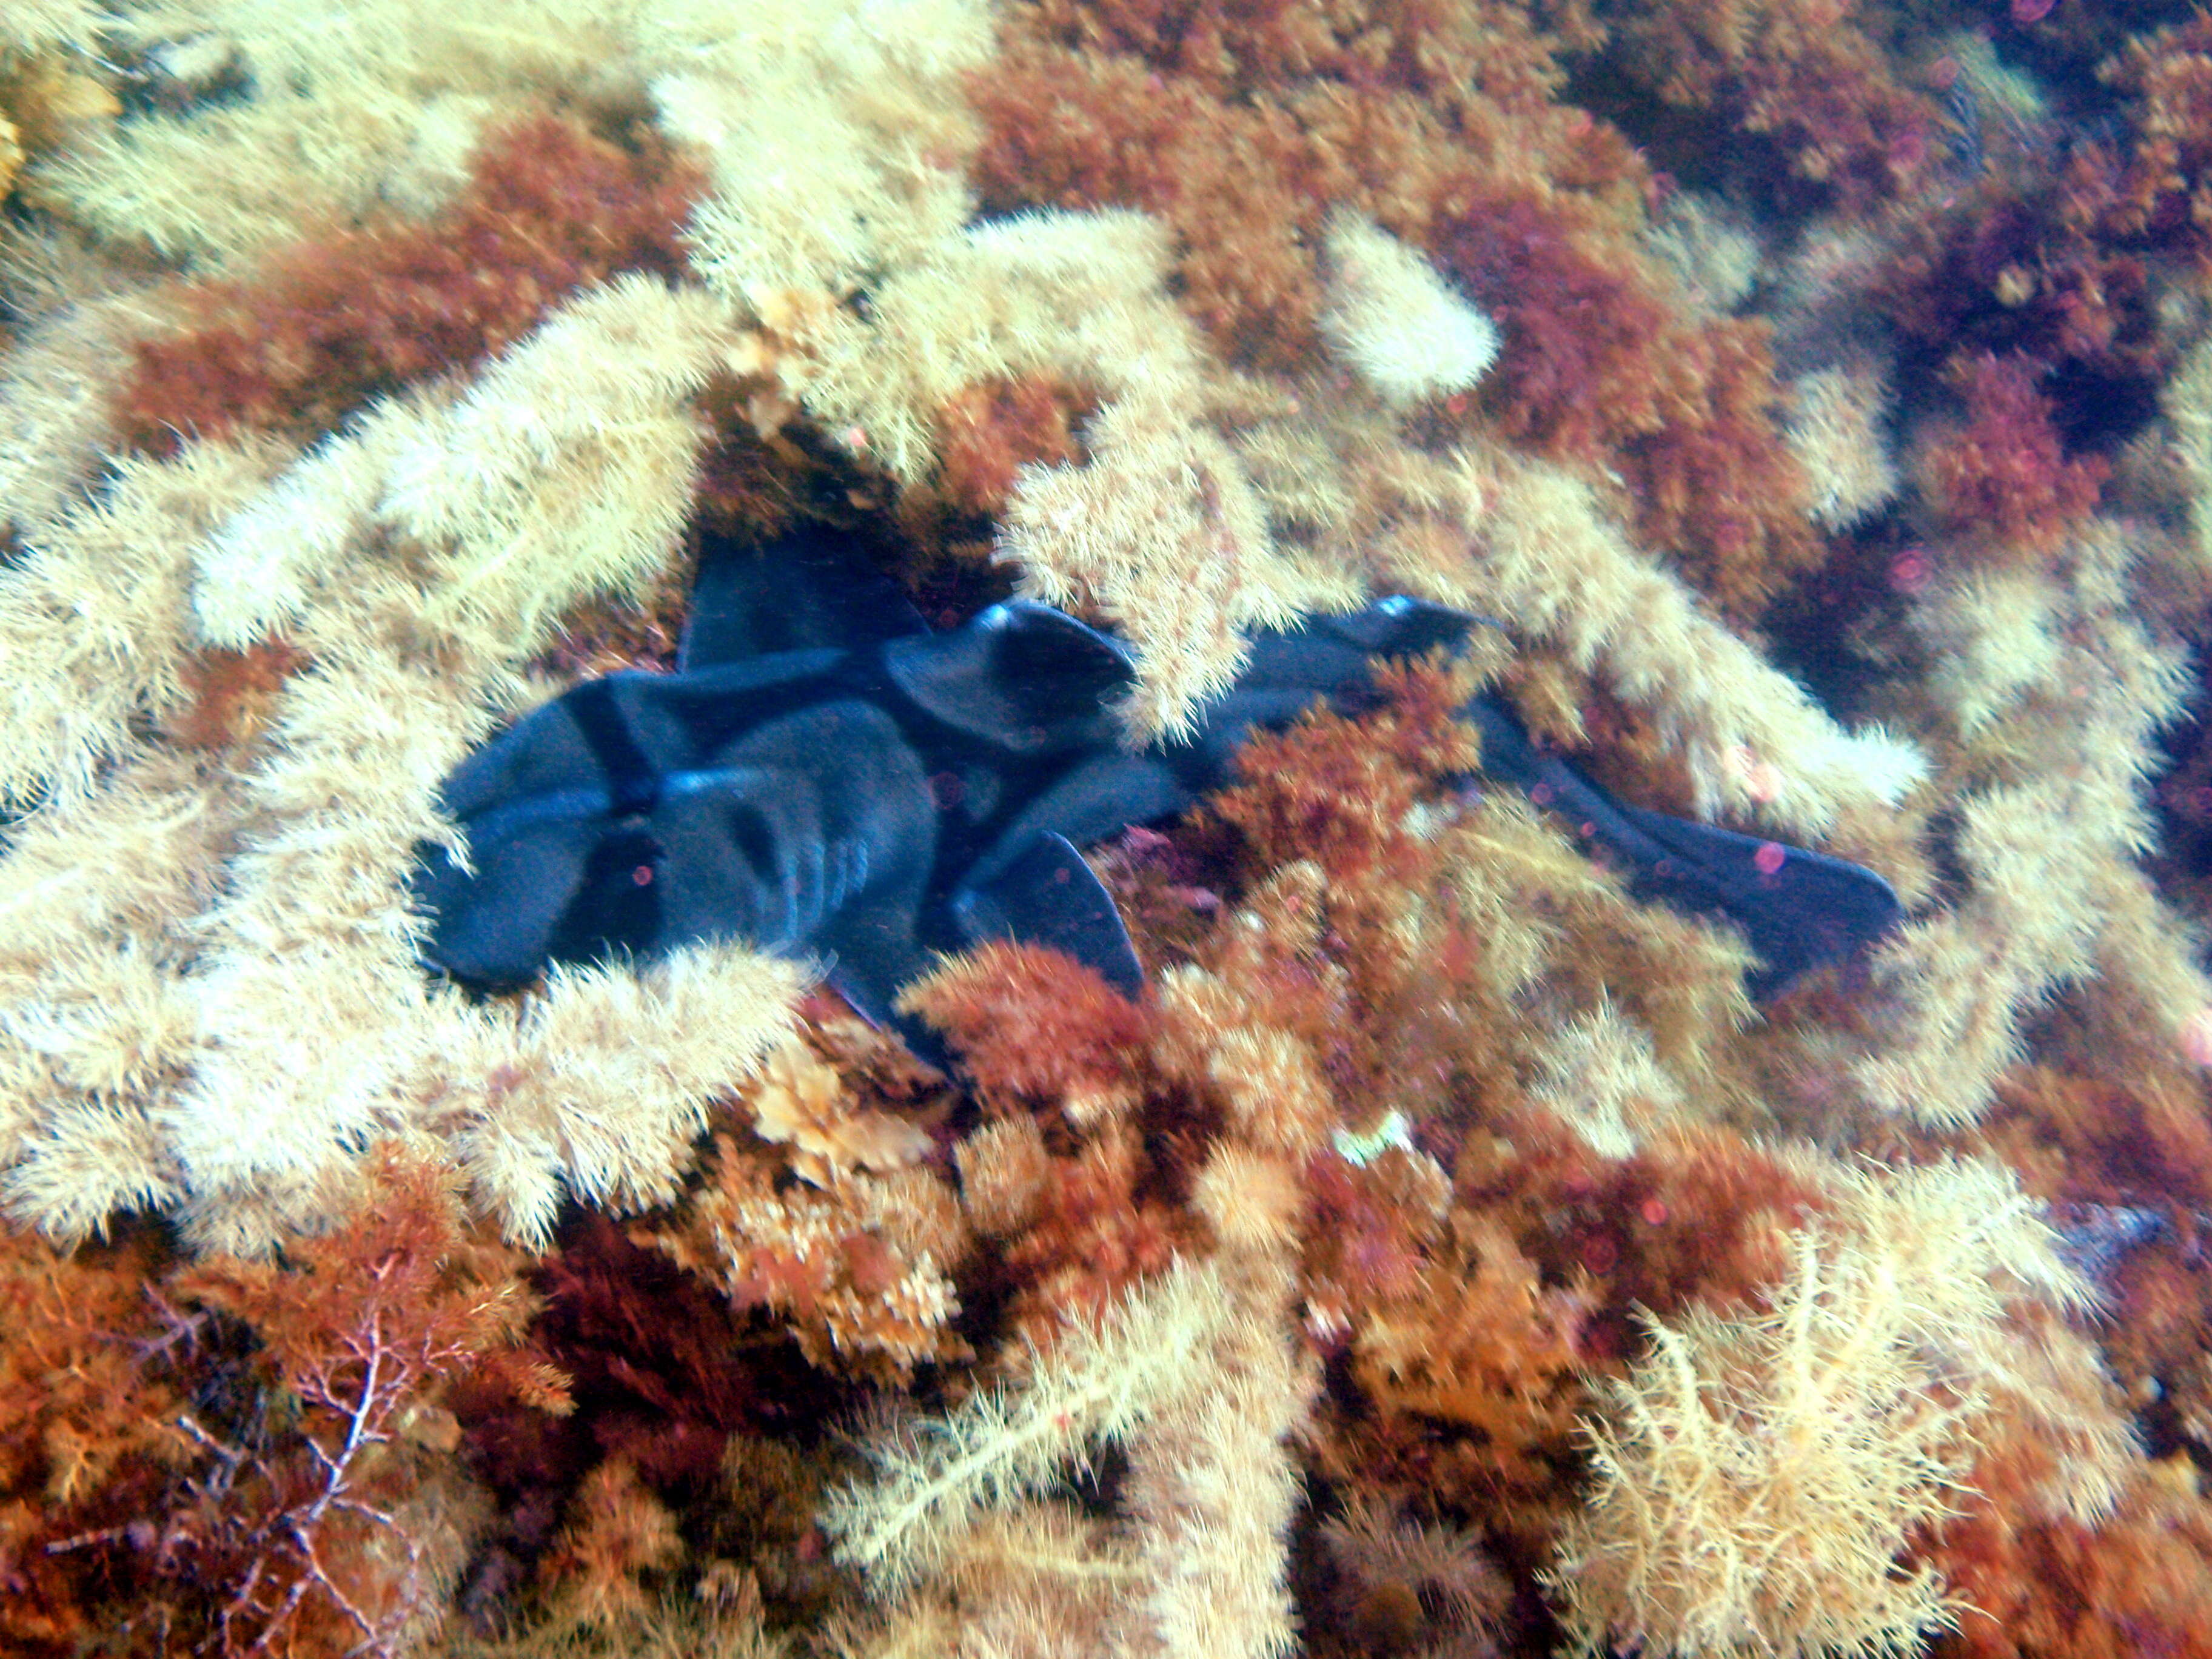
<point x="1799" y="909"/>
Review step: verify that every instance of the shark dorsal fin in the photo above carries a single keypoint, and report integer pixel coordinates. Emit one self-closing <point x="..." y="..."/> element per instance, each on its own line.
<point x="1023" y="677"/>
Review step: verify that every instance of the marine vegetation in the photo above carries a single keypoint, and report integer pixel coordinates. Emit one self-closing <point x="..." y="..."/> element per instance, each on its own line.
<point x="1594" y="1039"/>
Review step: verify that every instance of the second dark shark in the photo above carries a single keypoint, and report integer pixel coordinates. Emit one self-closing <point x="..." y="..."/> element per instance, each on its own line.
<point x="825" y="776"/>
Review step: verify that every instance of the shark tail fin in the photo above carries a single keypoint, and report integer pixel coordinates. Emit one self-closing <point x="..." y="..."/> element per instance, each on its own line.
<point x="1799" y="909"/>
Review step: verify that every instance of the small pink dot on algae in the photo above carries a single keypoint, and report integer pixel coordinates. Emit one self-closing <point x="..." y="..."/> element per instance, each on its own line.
<point x="1770" y="856"/>
<point x="1908" y="147"/>
<point x="2197" y="1038"/>
<point x="1757" y="777"/>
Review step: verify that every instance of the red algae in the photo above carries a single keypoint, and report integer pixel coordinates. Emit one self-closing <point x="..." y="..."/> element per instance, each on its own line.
<point x="326" y="325"/>
<point x="989" y="434"/>
<point x="2003" y="477"/>
<point x="234" y="1441"/>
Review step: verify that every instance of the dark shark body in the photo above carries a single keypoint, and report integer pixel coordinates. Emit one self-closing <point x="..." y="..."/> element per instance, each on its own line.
<point x="824" y="775"/>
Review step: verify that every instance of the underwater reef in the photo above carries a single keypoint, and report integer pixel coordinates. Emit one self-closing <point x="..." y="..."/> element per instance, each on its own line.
<point x="1441" y="1253"/>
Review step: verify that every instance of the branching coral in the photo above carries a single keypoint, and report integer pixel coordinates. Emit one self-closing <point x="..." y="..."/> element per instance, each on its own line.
<point x="308" y="953"/>
<point x="1760" y="1477"/>
<point x="2017" y="664"/>
<point x="1834" y="429"/>
<point x="1658" y="646"/>
<point x="285" y="1484"/>
<point x="384" y="106"/>
<point x="1391" y="318"/>
<point x="329" y="1526"/>
<point x="1191" y="1375"/>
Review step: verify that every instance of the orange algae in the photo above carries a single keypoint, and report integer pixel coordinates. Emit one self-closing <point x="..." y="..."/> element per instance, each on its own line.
<point x="326" y="325"/>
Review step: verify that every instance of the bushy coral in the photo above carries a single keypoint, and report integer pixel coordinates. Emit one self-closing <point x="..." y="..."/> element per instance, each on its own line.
<point x="320" y="1513"/>
<point x="1758" y="1479"/>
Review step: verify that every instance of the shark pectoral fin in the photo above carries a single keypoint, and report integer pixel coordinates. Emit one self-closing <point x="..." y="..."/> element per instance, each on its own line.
<point x="1798" y="909"/>
<point x="1090" y="801"/>
<point x="872" y="955"/>
<point x="872" y="959"/>
<point x="1047" y="895"/>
